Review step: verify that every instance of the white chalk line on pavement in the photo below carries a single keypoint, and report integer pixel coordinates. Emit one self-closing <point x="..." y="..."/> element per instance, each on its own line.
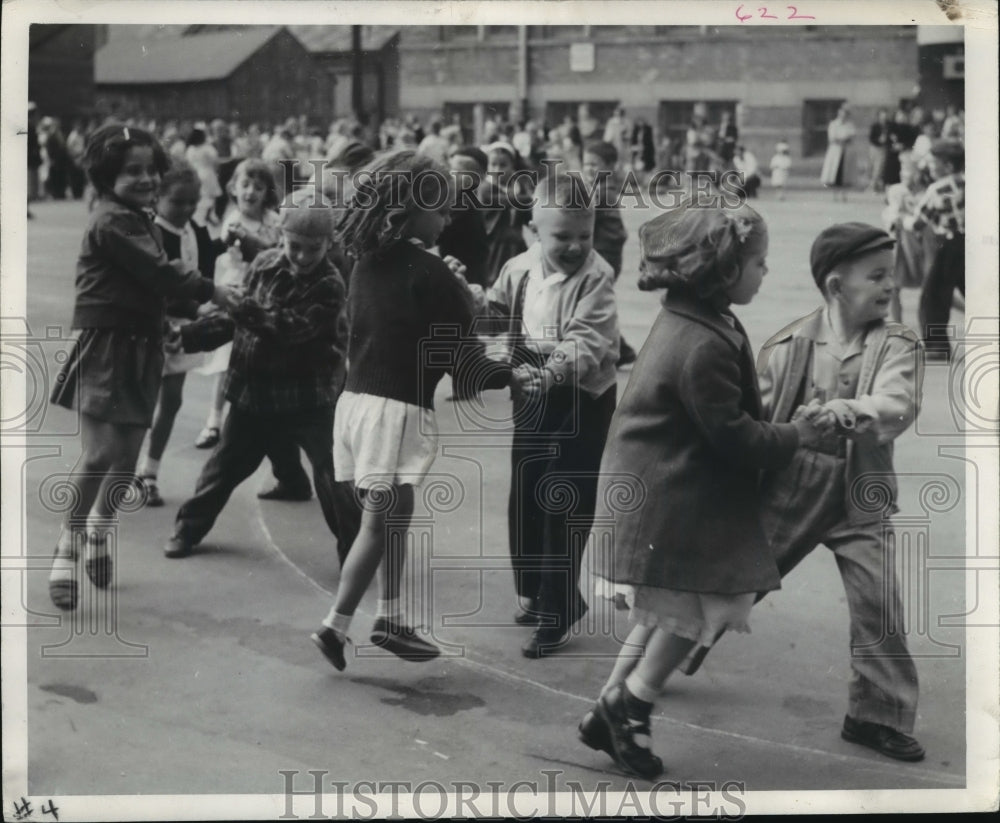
<point x="506" y="674"/>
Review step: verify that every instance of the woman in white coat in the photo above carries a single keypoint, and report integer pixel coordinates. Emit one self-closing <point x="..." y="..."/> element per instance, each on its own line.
<point x="840" y="163"/>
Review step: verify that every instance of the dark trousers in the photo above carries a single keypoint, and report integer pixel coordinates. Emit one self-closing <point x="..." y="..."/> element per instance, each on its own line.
<point x="555" y="460"/>
<point x="244" y="442"/>
<point x="946" y="274"/>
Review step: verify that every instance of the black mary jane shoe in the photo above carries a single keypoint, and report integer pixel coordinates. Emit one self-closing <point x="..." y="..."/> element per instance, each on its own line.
<point x="625" y="717"/>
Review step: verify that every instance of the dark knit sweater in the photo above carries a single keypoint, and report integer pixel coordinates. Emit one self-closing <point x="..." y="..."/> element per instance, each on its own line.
<point x="411" y="321"/>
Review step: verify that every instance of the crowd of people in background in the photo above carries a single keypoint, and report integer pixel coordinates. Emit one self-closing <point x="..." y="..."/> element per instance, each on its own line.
<point x="307" y="309"/>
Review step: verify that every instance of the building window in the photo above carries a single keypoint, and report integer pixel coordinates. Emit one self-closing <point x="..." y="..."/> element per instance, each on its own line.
<point x="816" y="116"/>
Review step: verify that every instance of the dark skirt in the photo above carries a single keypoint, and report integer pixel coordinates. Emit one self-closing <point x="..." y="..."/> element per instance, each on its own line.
<point x="112" y="375"/>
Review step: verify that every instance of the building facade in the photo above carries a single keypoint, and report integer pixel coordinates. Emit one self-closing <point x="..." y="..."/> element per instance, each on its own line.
<point x="779" y="83"/>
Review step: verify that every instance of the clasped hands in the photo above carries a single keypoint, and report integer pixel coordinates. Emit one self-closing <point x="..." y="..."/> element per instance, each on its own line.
<point x="818" y="420"/>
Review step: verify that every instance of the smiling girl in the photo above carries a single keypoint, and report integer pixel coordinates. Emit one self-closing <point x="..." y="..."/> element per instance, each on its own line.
<point x="112" y="376"/>
<point x="249" y="228"/>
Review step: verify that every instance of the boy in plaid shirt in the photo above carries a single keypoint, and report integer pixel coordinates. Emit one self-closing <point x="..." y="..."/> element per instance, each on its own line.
<point x="943" y="209"/>
<point x="287" y="368"/>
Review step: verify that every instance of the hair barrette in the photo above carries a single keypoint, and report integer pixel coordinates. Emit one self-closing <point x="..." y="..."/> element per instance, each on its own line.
<point x="741" y="226"/>
<point x="125" y="132"/>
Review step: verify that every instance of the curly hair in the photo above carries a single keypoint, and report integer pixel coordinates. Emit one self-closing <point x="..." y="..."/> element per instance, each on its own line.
<point x="388" y="190"/>
<point x="104" y="155"/>
<point x="701" y="249"/>
<point x="261" y="171"/>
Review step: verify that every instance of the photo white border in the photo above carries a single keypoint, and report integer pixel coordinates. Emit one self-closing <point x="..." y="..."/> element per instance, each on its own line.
<point x="979" y="20"/>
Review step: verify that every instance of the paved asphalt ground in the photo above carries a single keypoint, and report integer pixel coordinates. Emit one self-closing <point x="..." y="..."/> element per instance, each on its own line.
<point x="197" y="676"/>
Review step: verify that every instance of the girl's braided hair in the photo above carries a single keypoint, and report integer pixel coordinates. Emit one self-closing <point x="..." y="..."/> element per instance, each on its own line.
<point x="386" y="192"/>
<point x="701" y="249"/>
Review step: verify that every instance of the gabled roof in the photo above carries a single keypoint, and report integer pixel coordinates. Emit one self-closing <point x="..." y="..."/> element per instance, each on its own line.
<point x="178" y="59"/>
<point x="338" y="38"/>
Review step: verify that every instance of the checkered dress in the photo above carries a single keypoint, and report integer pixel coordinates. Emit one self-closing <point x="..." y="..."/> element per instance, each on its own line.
<point x="943" y="207"/>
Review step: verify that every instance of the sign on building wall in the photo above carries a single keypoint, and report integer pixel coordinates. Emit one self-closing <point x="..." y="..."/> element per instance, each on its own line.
<point x="581" y="57"/>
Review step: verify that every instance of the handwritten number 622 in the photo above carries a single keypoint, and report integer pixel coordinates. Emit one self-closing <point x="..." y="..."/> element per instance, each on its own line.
<point x="743" y="16"/>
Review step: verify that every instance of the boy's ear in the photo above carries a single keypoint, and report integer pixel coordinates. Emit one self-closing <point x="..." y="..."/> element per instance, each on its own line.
<point x="533" y="227"/>
<point x="834" y="284"/>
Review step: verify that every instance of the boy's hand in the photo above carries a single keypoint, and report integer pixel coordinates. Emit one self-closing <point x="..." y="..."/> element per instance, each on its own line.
<point x="532" y="381"/>
<point x="227" y="297"/>
<point x="846" y="419"/>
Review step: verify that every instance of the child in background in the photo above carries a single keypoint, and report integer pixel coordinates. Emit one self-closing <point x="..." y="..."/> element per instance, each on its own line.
<point x="781" y="165"/>
<point x="289" y="336"/>
<point x="599" y="163"/>
<point x="385" y="432"/>
<point x="690" y="426"/>
<point x="123" y="277"/>
<point x="251" y="226"/>
<point x="464" y="238"/>
<point x="942" y="209"/>
<point x="911" y="261"/>
<point x="189" y="242"/>
<point x="560" y="294"/>
<point x="506" y="198"/>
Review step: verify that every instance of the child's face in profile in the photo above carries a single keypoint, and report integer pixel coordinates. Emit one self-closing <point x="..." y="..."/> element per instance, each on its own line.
<point x="178" y="203"/>
<point x="137" y="182"/>
<point x="938" y="167"/>
<point x="864" y="287"/>
<point x="304" y="251"/>
<point x="249" y="193"/>
<point x="565" y="236"/>
<point x="753" y="269"/>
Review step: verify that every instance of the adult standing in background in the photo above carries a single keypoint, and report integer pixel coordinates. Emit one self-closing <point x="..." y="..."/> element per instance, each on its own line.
<point x="34" y="155"/>
<point x="727" y="139"/>
<point x="643" y="148"/>
<point x="899" y="140"/>
<point x="840" y="163"/>
<point x="878" y="140"/>
<point x="618" y="132"/>
<point x="587" y="124"/>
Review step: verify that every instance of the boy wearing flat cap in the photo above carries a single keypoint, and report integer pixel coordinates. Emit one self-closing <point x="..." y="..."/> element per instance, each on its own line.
<point x="289" y="337"/>
<point x="846" y="359"/>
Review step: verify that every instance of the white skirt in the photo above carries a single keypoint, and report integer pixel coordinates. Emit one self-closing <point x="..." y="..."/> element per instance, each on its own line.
<point x="377" y="440"/>
<point x="698" y="616"/>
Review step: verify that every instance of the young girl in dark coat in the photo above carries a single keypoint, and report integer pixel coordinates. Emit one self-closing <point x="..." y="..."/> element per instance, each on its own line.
<point x="689" y="427"/>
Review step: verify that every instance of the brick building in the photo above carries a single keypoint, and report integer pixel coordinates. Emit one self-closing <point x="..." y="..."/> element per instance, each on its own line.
<point x="780" y="83"/>
<point x="246" y="73"/>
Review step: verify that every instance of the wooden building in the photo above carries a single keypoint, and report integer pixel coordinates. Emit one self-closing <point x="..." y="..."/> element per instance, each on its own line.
<point x="250" y="74"/>
<point x="61" y="70"/>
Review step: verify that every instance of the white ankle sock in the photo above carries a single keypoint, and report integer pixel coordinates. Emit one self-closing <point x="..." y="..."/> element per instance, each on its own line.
<point x="641" y="689"/>
<point x="214" y="419"/>
<point x="388" y="609"/>
<point x="340" y="623"/>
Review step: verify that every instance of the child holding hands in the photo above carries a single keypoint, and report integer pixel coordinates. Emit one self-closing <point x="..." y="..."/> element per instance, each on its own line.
<point x="690" y="426"/>
<point x="560" y="296"/>
<point x="113" y="375"/>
